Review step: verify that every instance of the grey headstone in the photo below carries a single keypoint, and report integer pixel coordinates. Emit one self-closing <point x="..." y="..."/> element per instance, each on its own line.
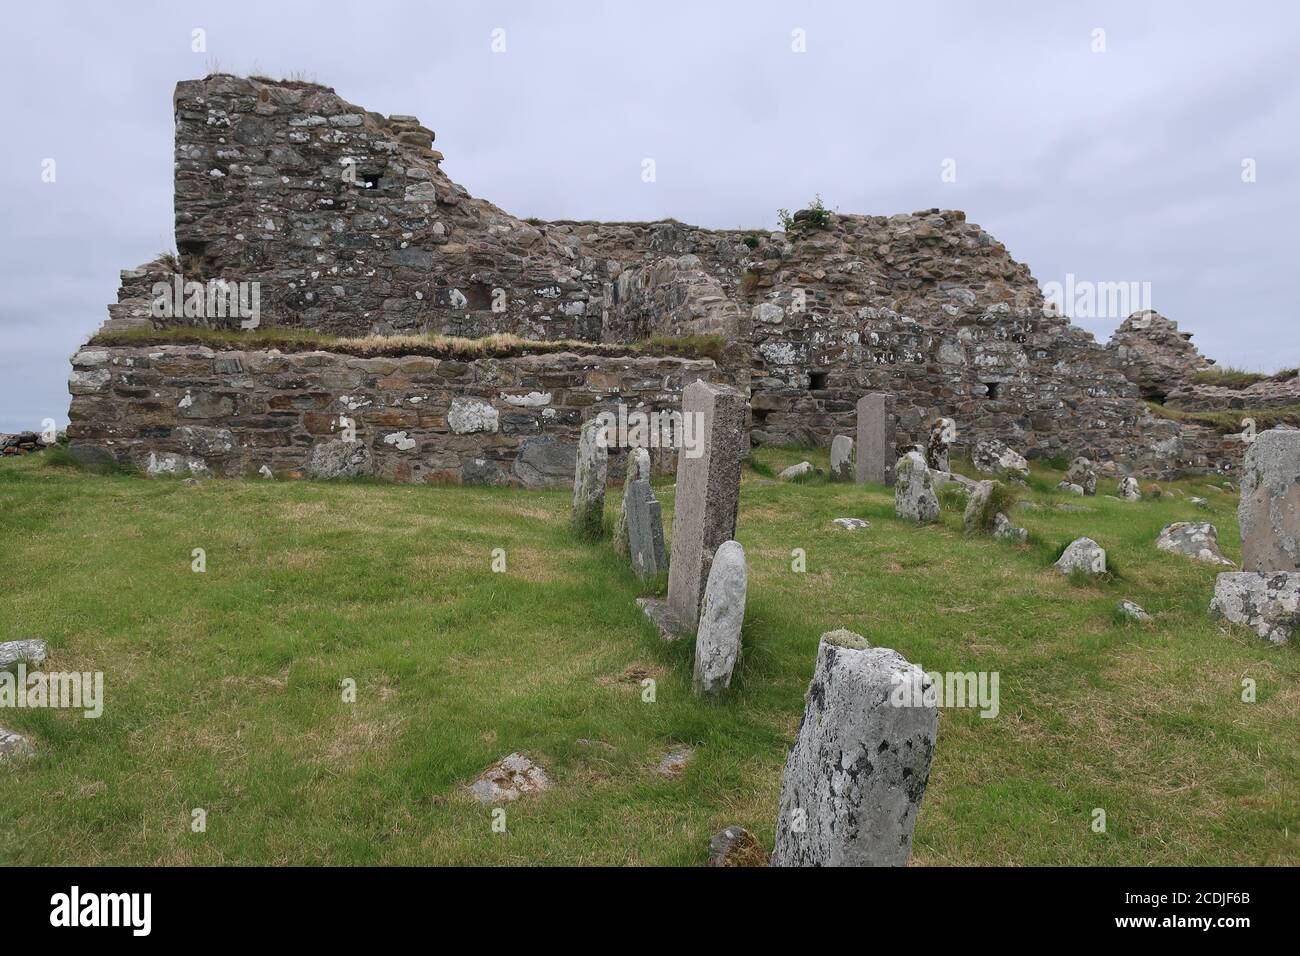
<point x="942" y="433"/>
<point x="638" y="467"/>
<point x="645" y="530"/>
<point x="875" y="444"/>
<point x="708" y="493"/>
<point x="914" y="497"/>
<point x="841" y="458"/>
<point x="717" y="642"/>
<point x="857" y="772"/>
<point x="1269" y="513"/>
<point x="590" y="473"/>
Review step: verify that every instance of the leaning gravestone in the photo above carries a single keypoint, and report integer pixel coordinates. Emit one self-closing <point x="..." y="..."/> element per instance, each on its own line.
<point x="708" y="493"/>
<point x="858" y="769"/>
<point x="638" y="467"/>
<point x="645" y="530"/>
<point x="590" y="474"/>
<point x="875" y="444"/>
<point x="914" y="497"/>
<point x="1265" y="595"/>
<point x="841" y="458"/>
<point x="942" y="434"/>
<point x="717" y="642"/>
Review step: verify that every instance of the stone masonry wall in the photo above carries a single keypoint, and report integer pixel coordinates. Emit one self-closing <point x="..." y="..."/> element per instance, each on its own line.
<point x="512" y="421"/>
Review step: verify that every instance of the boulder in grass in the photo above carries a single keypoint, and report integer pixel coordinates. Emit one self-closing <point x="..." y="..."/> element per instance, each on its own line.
<point x="513" y="777"/>
<point x="1084" y="555"/>
<point x="736" y="846"/>
<point x="33" y="652"/>
<point x="993" y="457"/>
<point x="800" y="470"/>
<point x="1198" y="540"/>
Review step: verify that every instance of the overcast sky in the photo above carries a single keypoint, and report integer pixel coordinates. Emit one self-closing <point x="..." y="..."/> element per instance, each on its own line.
<point x="1117" y="166"/>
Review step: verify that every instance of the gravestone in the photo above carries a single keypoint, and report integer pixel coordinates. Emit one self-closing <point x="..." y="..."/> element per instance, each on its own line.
<point x="1269" y="513"/>
<point x="841" y="458"/>
<point x="590" y="474"/>
<point x="708" y="493"/>
<point x="942" y="434"/>
<point x="875" y="444"/>
<point x="914" y="497"/>
<point x="638" y="467"/>
<point x="645" y="530"/>
<point x="717" y="642"/>
<point x="1129" y="490"/>
<point x="858" y="769"/>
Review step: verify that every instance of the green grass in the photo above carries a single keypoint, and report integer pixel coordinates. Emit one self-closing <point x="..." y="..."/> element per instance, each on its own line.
<point x="1228" y="422"/>
<point x="1229" y="377"/>
<point x="223" y="689"/>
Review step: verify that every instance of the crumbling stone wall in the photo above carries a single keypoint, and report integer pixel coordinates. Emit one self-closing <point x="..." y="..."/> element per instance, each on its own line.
<point x="348" y="223"/>
<point x="512" y="421"/>
<point x="1155" y="355"/>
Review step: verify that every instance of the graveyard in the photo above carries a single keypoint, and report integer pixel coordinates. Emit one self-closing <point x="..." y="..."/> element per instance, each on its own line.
<point x="472" y="623"/>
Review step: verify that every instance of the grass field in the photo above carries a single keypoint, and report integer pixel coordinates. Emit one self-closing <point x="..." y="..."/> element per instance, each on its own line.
<point x="223" y="688"/>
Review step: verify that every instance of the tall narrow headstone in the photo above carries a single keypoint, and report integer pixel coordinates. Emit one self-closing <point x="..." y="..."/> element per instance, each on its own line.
<point x="638" y="468"/>
<point x="708" y="492"/>
<point x="856" y="774"/>
<point x="644" y="529"/>
<point x="1269" y="513"/>
<point x="841" y="458"/>
<point x="875" y="445"/>
<point x="717" y="643"/>
<point x="589" y="476"/>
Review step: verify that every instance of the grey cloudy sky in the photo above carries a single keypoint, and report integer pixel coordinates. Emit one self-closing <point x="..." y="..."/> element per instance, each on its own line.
<point x="1117" y="166"/>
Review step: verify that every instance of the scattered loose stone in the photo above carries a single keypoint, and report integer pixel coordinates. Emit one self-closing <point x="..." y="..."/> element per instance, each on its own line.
<point x="1129" y="489"/>
<point x="876" y="436"/>
<point x="13" y="744"/>
<point x="941" y="478"/>
<point x="1075" y="509"/>
<point x="1083" y="474"/>
<point x="993" y="457"/>
<point x="914" y="497"/>
<point x="193" y="483"/>
<point x="638" y="469"/>
<point x="796" y="471"/>
<point x="33" y="652"/>
<point x="265" y="472"/>
<point x="857" y="772"/>
<point x="736" y="846"/>
<point x="708" y="494"/>
<point x="1199" y="502"/>
<point x="841" y="458"/>
<point x="1004" y="530"/>
<point x="851" y="524"/>
<point x="674" y="762"/>
<point x="591" y="472"/>
<point x="1197" y="540"/>
<point x="717" y="642"/>
<point x="1133" y="611"/>
<point x="508" y="780"/>
<point x="1267" y="603"/>
<point x="976" y="505"/>
<point x="1070" y="488"/>
<point x="1084" y="554"/>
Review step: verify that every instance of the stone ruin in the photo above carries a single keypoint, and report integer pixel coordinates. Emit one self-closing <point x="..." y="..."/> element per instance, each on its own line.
<point x="327" y="244"/>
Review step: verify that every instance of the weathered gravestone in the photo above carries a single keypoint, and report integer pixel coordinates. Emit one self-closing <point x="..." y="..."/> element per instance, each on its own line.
<point x="875" y="444"/>
<point x="841" y="458"/>
<point x="1265" y="595"/>
<point x="638" y="467"/>
<point x="717" y="642"/>
<point x="914" y="496"/>
<point x="858" y="769"/>
<point x="590" y="474"/>
<point x="645" y="530"/>
<point x="708" y="493"/>
<point x="942" y="434"/>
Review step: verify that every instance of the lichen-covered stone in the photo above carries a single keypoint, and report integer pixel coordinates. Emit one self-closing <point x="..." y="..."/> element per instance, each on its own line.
<point x="1269" y="513"/>
<point x="735" y="846"/>
<point x="33" y="652"/>
<point x="1129" y="489"/>
<point x="914" y="497"/>
<point x="1084" y="555"/>
<point x="1005" y="530"/>
<point x="513" y="777"/>
<point x="336" y="458"/>
<point x="645" y="530"/>
<point x="14" y="744"/>
<point x="842" y="458"/>
<point x="1083" y="474"/>
<point x="1266" y="602"/>
<point x="637" y="468"/>
<point x="976" y="506"/>
<point x="994" y="457"/>
<point x="717" y="640"/>
<point x="796" y="471"/>
<point x="1198" y="540"/>
<point x="591" y="472"/>
<point x="858" y="769"/>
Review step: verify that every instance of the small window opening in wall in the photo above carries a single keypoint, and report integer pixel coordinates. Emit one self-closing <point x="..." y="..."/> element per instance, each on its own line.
<point x="817" y="381"/>
<point x="371" y="180"/>
<point x="993" y="390"/>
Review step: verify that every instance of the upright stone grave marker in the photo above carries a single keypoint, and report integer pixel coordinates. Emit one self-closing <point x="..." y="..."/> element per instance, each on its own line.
<point x="590" y="474"/>
<point x="638" y="467"/>
<point x="644" y="529"/>
<point x="875" y="445"/>
<point x="856" y="774"/>
<point x="841" y="458"/>
<point x="708" y="493"/>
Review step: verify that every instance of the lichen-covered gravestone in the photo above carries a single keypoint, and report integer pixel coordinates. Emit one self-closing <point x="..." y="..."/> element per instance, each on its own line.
<point x="857" y="772"/>
<point x="708" y="493"/>
<point x="717" y="642"/>
<point x="914" y="497"/>
<point x="1129" y="490"/>
<point x="1265" y="595"/>
<point x="942" y="434"/>
<point x="645" y="530"/>
<point x="875" y="444"/>
<point x="638" y="468"/>
<point x="590" y="475"/>
<point x="1083" y="474"/>
<point x="841" y="458"/>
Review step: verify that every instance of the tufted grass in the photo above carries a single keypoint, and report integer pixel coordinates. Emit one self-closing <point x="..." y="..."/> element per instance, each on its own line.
<point x="223" y="688"/>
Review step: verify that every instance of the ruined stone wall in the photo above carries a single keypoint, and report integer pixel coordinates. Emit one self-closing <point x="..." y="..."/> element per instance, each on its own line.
<point x="512" y="421"/>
